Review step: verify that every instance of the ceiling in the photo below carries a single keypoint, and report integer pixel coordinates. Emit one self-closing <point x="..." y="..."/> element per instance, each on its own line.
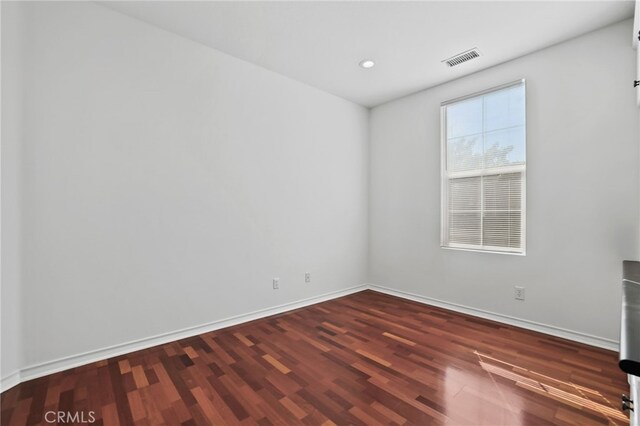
<point x="321" y="43"/>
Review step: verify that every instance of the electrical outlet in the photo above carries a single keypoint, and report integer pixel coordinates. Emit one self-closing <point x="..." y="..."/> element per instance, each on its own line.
<point x="276" y="283"/>
<point x="519" y="293"/>
<point x="307" y="277"/>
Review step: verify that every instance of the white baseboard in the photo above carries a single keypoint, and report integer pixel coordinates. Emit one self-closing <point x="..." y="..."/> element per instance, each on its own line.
<point x="9" y="381"/>
<point x="65" y="363"/>
<point x="576" y="336"/>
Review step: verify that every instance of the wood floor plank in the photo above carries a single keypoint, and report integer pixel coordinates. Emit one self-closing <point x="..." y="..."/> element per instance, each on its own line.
<point x="364" y="359"/>
<point x="277" y="364"/>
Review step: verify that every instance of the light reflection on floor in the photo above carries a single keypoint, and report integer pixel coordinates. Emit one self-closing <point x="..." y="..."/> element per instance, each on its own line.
<point x="551" y="388"/>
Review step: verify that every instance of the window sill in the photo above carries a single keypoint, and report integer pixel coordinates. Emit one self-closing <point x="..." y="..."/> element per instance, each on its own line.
<point x="511" y="253"/>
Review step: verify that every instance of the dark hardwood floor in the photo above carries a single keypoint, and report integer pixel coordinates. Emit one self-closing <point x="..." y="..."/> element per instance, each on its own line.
<point x="367" y="359"/>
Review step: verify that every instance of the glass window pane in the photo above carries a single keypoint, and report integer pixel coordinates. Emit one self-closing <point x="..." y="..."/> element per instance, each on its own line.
<point x="464" y="153"/>
<point x="464" y="118"/>
<point x="504" y="108"/>
<point x="504" y="147"/>
<point x="464" y="228"/>
<point x="502" y="229"/>
<point x="496" y="110"/>
<point x="502" y="192"/>
<point x="464" y="194"/>
<point x="517" y="106"/>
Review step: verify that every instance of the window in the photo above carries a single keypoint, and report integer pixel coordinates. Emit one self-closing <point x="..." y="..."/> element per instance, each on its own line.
<point x="484" y="170"/>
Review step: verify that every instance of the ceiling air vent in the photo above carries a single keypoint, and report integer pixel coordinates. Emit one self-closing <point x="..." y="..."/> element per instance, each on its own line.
<point x="462" y="57"/>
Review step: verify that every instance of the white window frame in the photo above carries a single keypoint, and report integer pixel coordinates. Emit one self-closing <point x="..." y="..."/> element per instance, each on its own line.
<point x="446" y="176"/>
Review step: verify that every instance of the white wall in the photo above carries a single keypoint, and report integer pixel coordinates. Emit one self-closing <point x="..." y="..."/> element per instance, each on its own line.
<point x="10" y="322"/>
<point x="166" y="183"/>
<point x="582" y="190"/>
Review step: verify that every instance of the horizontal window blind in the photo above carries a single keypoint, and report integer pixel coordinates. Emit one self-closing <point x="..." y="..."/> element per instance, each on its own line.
<point x="465" y="210"/>
<point x="502" y="218"/>
<point x="484" y="171"/>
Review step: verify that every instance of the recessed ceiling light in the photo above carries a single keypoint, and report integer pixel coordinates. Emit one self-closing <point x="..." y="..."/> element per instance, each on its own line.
<point x="367" y="63"/>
